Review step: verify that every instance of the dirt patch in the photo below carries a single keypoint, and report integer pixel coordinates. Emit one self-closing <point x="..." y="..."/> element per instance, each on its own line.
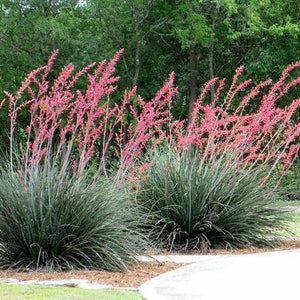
<point x="140" y="273"/>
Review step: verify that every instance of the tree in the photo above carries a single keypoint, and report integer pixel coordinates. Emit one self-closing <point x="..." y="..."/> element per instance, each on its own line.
<point x="29" y="31"/>
<point x="217" y="36"/>
<point x="198" y="39"/>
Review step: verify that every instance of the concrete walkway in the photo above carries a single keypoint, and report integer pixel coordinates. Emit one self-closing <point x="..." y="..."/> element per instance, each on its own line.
<point x="262" y="276"/>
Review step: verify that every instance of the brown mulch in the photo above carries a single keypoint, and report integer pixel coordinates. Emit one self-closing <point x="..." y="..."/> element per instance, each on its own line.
<point x="140" y="272"/>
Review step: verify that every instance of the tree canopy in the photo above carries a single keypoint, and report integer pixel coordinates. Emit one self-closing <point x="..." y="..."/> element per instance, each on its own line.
<point x="198" y="39"/>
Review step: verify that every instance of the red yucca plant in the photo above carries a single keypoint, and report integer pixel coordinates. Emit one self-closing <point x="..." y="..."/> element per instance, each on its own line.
<point x="66" y="122"/>
<point x="266" y="136"/>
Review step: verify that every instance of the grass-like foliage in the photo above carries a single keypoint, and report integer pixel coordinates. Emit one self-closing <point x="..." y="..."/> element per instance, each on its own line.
<point x="51" y="220"/>
<point x="59" y="218"/>
<point x="194" y="202"/>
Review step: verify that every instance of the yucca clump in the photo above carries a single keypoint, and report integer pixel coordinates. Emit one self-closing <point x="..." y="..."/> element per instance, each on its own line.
<point x="194" y="203"/>
<point x="52" y="220"/>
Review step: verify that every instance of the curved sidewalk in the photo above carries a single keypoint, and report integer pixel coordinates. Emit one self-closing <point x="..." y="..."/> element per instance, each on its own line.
<point x="262" y="276"/>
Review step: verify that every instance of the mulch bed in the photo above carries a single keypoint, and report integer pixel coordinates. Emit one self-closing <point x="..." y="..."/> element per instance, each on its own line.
<point x="140" y="273"/>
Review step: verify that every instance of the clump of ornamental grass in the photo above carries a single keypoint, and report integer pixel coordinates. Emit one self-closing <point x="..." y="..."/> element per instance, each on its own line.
<point x="193" y="202"/>
<point x="55" y="221"/>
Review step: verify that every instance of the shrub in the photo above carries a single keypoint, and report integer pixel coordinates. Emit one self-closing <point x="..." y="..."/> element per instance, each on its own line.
<point x="51" y="220"/>
<point x="194" y="202"/>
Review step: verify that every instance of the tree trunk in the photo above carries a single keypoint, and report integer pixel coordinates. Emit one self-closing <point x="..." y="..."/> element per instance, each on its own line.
<point x="136" y="62"/>
<point x="212" y="49"/>
<point x="194" y="81"/>
<point x="211" y="70"/>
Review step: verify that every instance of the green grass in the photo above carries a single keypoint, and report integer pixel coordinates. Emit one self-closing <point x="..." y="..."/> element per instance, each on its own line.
<point x="293" y="225"/>
<point x="38" y="292"/>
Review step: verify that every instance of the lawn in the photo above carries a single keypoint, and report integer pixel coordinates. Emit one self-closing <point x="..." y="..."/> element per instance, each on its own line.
<point x="294" y="225"/>
<point x="41" y="292"/>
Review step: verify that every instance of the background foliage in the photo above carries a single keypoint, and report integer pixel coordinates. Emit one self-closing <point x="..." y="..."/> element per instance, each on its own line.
<point x="196" y="39"/>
